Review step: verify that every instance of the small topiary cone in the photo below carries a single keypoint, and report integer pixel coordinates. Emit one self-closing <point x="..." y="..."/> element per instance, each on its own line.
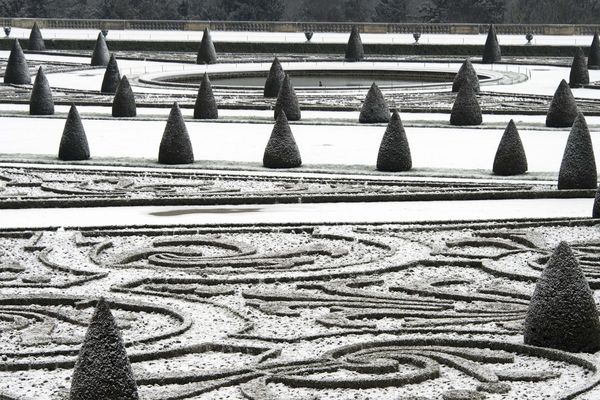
<point x="282" y="150"/>
<point x="466" y="73"/>
<point x="206" y="106"/>
<point x="287" y="101"/>
<point x="394" y="151"/>
<point x="354" y="49"/>
<point x="579" y="75"/>
<point x="274" y="80"/>
<point x="175" y="146"/>
<point x="36" y="41"/>
<point x="594" y="55"/>
<point x="491" y="52"/>
<point x="41" y="102"/>
<point x="124" y="101"/>
<point x="563" y="108"/>
<point x="17" y="70"/>
<point x="374" y="109"/>
<point x="510" y="157"/>
<point x="101" y="55"/>
<point x="112" y="76"/>
<point x="466" y="110"/>
<point x="206" y="53"/>
<point x="578" y="168"/>
<point x="103" y="371"/>
<point x="562" y="312"/>
<point x="73" y="144"/>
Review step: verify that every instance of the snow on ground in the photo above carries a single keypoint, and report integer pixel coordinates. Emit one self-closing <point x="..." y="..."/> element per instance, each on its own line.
<point x="388" y="212"/>
<point x="298" y="37"/>
<point x="446" y="148"/>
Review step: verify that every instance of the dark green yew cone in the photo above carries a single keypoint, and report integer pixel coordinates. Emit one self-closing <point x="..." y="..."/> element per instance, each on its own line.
<point x="124" y="101"/>
<point x="562" y="313"/>
<point x="73" y="144"/>
<point x="36" y="41"/>
<point x="101" y="55"/>
<point x="578" y="168"/>
<point x="491" y="52"/>
<point x="466" y="110"/>
<point x="274" y="80"/>
<point x="41" y="102"/>
<point x="206" y="105"/>
<point x="175" y="146"/>
<point x="467" y="74"/>
<point x="287" y="101"/>
<point x="17" y="70"/>
<point x="563" y="108"/>
<point x="282" y="150"/>
<point x="112" y="76"/>
<point x="374" y="109"/>
<point x="354" y="48"/>
<point x="510" y="157"/>
<point x="579" y="75"/>
<point x="594" y="55"/>
<point x="102" y="371"/>
<point x="206" y="53"/>
<point x="394" y="151"/>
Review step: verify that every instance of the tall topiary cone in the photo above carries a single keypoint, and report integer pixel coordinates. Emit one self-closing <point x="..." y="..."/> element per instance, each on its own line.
<point x="274" y="80"/>
<point x="580" y="75"/>
<point x="73" y="144"/>
<point x="112" y="76"/>
<point x="510" y="157"/>
<point x="578" y="168"/>
<point x="41" y="102"/>
<point x="175" y="146"/>
<point x="36" y="41"/>
<point x="206" y="53"/>
<point x="563" y="108"/>
<point x="102" y="371"/>
<point x="562" y="313"/>
<point x="466" y="110"/>
<point x="101" y="55"/>
<point x="394" y="151"/>
<point x="491" y="52"/>
<point x="466" y="73"/>
<point x="287" y="101"/>
<point x="282" y="150"/>
<point x="124" y="101"/>
<point x="354" y="48"/>
<point x="374" y="109"/>
<point x="594" y="55"/>
<point x="17" y="70"/>
<point x="206" y="106"/>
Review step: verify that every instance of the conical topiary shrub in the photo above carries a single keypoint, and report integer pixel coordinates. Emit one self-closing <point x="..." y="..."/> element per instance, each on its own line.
<point x="112" y="76"/>
<point x="578" y="168"/>
<point x="563" y="108"/>
<point x="466" y="73"/>
<point x="282" y="150"/>
<point x="491" y="52"/>
<point x="287" y="101"/>
<point x="394" y="151"/>
<point x="175" y="146"/>
<point x="466" y="110"/>
<point x="206" y="106"/>
<point x="41" y="102"/>
<point x="206" y="53"/>
<point x="36" y="41"/>
<point x="102" y="370"/>
<point x="562" y="313"/>
<point x="596" y="209"/>
<point x="17" y="70"/>
<point x="274" y="80"/>
<point x="73" y="144"/>
<point x="510" y="157"/>
<point x="374" y="109"/>
<point x="594" y="55"/>
<point x="101" y="55"/>
<point x="354" y="48"/>
<point x="580" y="75"/>
<point x="124" y="101"/>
